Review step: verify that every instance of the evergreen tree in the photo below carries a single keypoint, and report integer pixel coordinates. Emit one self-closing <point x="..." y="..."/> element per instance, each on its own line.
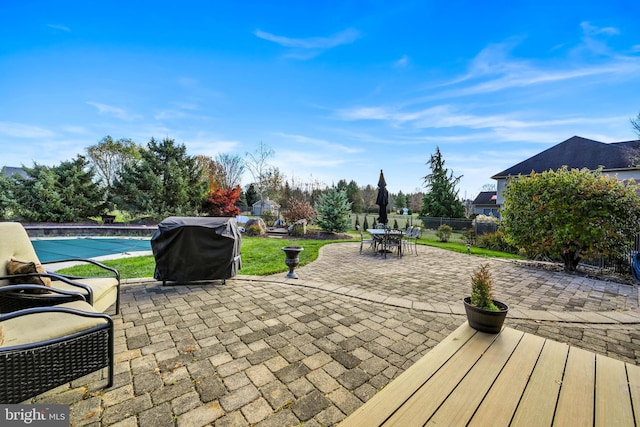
<point x="333" y="211"/>
<point x="166" y="181"/>
<point x="401" y="200"/>
<point x="355" y="197"/>
<point x="251" y="195"/>
<point x="441" y="199"/>
<point x="64" y="193"/>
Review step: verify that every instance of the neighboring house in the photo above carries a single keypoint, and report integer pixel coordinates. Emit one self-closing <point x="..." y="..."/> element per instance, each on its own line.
<point x="485" y="204"/>
<point x="265" y="205"/>
<point x="620" y="159"/>
<point x="9" y="171"/>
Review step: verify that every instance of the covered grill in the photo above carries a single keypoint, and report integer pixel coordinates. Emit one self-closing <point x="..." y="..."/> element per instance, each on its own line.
<point x="196" y="248"/>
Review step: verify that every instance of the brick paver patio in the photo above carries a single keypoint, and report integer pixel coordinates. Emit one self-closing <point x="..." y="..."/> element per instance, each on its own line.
<point x="268" y="351"/>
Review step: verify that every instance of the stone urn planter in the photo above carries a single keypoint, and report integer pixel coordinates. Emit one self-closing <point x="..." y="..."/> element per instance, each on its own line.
<point x="483" y="312"/>
<point x="292" y="260"/>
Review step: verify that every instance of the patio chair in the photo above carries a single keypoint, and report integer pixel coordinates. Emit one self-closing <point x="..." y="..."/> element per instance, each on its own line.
<point x="44" y="347"/>
<point x="100" y="292"/>
<point x="412" y="240"/>
<point x="392" y="239"/>
<point x="363" y="241"/>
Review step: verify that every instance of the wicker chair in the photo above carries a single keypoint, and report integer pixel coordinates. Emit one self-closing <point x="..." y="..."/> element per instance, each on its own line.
<point x="100" y="292"/>
<point x="45" y="347"/>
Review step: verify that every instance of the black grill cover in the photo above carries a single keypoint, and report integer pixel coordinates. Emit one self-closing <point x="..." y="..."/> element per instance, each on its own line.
<point x="196" y="248"/>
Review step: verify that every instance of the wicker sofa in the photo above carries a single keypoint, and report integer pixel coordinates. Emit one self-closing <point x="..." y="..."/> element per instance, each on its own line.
<point x="100" y="292"/>
<point x="44" y="347"/>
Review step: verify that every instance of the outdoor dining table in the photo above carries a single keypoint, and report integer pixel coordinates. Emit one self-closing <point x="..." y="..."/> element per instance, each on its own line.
<point x="378" y="235"/>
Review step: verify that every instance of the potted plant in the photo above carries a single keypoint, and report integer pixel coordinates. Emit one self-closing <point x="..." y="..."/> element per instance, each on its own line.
<point x="291" y="251"/>
<point x="483" y="312"/>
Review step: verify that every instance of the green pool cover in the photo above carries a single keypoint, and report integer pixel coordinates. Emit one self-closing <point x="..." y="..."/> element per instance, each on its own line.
<point x="87" y="247"/>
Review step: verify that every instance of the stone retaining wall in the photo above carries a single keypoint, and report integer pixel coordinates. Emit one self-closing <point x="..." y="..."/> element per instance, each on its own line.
<point x="90" y="230"/>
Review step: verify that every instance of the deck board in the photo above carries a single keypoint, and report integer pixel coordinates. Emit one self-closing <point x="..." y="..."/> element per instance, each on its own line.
<point x="633" y="376"/>
<point x="463" y="401"/>
<point x="501" y="401"/>
<point x="512" y="378"/>
<point x="613" y="399"/>
<point x="578" y="386"/>
<point x="538" y="402"/>
<point x="431" y="395"/>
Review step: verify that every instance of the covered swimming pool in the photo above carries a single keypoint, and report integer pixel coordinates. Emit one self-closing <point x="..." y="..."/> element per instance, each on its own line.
<point x="88" y="247"/>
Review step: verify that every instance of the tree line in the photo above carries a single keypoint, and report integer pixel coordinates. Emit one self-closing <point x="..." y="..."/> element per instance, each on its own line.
<point x="161" y="179"/>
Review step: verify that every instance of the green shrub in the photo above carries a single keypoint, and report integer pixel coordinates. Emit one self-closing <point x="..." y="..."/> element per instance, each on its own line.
<point x="495" y="242"/>
<point x="253" y="230"/>
<point x="444" y="232"/>
<point x="469" y="236"/>
<point x="269" y="217"/>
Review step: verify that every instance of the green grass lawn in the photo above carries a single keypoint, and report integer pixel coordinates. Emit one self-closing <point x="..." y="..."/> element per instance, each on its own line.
<point x="262" y="256"/>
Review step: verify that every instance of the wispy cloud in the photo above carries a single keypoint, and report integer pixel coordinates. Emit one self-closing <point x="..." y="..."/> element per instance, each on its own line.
<point x="402" y="62"/>
<point x="304" y="140"/>
<point x="117" y="112"/>
<point x="209" y="144"/>
<point x="344" y="37"/>
<point x="494" y="69"/>
<point x="286" y="158"/>
<point x="59" y="27"/>
<point x="510" y="127"/>
<point x="19" y="130"/>
<point x="306" y="48"/>
<point x="169" y="115"/>
<point x="78" y="130"/>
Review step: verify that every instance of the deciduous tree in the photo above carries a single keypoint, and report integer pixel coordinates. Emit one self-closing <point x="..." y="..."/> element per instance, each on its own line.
<point x="222" y="202"/>
<point x="298" y="209"/>
<point x="108" y="158"/>
<point x="569" y="214"/>
<point x="232" y="167"/>
<point x="635" y="122"/>
<point x="258" y="165"/>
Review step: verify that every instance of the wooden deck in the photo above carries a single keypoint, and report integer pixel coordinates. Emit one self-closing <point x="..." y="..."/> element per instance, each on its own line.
<point x="513" y="378"/>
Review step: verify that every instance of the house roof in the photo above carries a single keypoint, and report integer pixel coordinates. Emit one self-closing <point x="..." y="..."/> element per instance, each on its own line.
<point x="266" y="202"/>
<point x="577" y="153"/>
<point x="9" y="171"/>
<point x="485" y="198"/>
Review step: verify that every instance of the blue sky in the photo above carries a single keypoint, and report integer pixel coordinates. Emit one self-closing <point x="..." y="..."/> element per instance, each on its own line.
<point x="339" y="89"/>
